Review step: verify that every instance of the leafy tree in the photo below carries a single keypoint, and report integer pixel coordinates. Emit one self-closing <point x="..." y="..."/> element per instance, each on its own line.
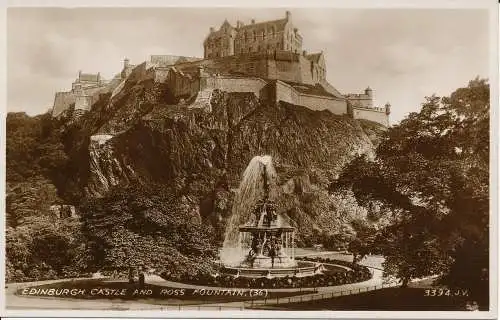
<point x="146" y="226"/>
<point x="363" y="243"/>
<point x="432" y="172"/>
<point x="39" y="245"/>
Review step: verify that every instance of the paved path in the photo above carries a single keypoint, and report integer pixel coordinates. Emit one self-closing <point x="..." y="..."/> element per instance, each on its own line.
<point x="345" y="289"/>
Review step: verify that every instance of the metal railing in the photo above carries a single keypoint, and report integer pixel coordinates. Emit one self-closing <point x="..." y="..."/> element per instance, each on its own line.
<point x="190" y="307"/>
<point x="315" y="296"/>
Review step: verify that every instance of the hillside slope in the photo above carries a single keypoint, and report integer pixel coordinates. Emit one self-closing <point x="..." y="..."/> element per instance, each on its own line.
<point x="138" y="136"/>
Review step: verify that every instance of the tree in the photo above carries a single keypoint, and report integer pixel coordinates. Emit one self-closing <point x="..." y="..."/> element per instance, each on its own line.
<point x="432" y="172"/>
<point x="362" y="244"/>
<point x="148" y="226"/>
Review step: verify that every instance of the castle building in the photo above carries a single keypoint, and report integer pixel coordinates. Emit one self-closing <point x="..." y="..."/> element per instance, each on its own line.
<point x="84" y="93"/>
<point x="265" y="36"/>
<point x="87" y="80"/>
<point x="264" y="58"/>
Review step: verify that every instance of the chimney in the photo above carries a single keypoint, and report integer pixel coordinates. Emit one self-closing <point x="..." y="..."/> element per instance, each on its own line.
<point x="288" y="15"/>
<point x="98" y="77"/>
<point x="212" y="29"/>
<point x="239" y="24"/>
<point x="253" y="21"/>
<point x="126" y="62"/>
<point x="79" y="74"/>
<point x="304" y="53"/>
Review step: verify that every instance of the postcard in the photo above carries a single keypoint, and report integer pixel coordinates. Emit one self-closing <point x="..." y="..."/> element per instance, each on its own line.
<point x="281" y="161"/>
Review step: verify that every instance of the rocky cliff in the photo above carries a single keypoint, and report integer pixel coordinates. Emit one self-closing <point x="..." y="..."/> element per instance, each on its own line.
<point x="139" y="136"/>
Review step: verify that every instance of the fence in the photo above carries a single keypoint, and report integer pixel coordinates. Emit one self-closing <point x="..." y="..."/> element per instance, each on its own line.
<point x="315" y="296"/>
<point x="180" y="307"/>
<point x="253" y="304"/>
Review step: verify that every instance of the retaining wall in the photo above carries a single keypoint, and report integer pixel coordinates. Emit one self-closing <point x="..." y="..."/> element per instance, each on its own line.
<point x="373" y="114"/>
<point x="62" y="101"/>
<point x="234" y="84"/>
<point x="286" y="93"/>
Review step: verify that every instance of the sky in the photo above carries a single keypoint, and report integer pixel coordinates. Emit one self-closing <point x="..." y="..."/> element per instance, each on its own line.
<point x="402" y="54"/>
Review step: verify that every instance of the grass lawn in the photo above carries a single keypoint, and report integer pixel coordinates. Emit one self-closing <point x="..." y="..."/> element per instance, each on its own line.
<point x="98" y="289"/>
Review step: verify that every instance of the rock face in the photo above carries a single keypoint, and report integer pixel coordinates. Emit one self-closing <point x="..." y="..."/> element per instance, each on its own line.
<point x="139" y="135"/>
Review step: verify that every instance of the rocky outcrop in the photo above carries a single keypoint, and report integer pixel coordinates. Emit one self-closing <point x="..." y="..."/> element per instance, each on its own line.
<point x="106" y="170"/>
<point x="141" y="135"/>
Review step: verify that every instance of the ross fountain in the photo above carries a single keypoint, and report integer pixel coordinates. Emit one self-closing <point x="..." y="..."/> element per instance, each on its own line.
<point x="259" y="241"/>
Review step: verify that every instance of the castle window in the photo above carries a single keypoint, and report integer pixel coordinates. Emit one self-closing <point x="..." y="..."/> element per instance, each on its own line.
<point x="263" y="34"/>
<point x="246" y="36"/>
<point x="254" y="35"/>
<point x="273" y="31"/>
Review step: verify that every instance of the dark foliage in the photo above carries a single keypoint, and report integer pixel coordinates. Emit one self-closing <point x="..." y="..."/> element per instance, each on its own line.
<point x="432" y="171"/>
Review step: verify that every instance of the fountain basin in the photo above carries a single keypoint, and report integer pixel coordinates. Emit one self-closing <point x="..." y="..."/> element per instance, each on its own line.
<point x="303" y="269"/>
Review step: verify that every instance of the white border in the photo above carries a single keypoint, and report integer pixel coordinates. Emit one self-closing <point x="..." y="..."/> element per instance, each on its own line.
<point x="492" y="5"/>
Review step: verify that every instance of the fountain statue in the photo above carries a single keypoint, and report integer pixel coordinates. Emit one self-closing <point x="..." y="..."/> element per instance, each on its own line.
<point x="259" y="241"/>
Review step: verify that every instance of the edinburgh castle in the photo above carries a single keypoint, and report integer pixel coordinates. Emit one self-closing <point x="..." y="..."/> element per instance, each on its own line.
<point x="265" y="58"/>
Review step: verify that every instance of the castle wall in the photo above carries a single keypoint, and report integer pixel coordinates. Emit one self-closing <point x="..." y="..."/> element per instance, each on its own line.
<point x="161" y="74"/>
<point x="277" y="65"/>
<point x="234" y="84"/>
<point x="182" y="85"/>
<point x="83" y="102"/>
<point x="319" y="103"/>
<point x="284" y="70"/>
<point x="360" y="100"/>
<point x="286" y="93"/>
<point x="62" y="101"/>
<point x="249" y="64"/>
<point x="305" y="71"/>
<point x="373" y="114"/>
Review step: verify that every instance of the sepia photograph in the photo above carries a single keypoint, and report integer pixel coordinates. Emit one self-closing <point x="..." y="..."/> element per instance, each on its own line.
<point x="278" y="160"/>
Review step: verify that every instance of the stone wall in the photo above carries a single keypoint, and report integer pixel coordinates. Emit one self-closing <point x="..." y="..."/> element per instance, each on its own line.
<point x="282" y="65"/>
<point x="62" y="101"/>
<point x="286" y="93"/>
<point x="374" y="114"/>
<point x="160" y="74"/>
<point x="83" y="102"/>
<point x="234" y="84"/>
<point x="284" y="70"/>
<point x="181" y="84"/>
<point x="335" y="106"/>
<point x="360" y="100"/>
<point x="305" y="71"/>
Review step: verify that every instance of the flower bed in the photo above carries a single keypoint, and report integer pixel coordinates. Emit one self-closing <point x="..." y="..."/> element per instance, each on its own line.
<point x="330" y="277"/>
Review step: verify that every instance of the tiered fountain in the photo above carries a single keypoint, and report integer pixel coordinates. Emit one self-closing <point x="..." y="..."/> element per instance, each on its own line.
<point x="263" y="246"/>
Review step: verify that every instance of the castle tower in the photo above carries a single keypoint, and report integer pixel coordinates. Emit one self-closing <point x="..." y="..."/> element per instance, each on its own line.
<point x="387" y="108"/>
<point x="126" y="63"/>
<point x="288" y="15"/>
<point x="369" y="92"/>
